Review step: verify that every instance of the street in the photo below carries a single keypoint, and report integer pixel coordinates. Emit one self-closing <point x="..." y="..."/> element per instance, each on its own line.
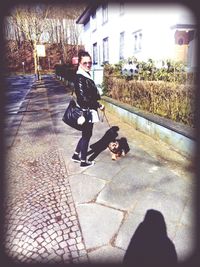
<point x="17" y="89"/>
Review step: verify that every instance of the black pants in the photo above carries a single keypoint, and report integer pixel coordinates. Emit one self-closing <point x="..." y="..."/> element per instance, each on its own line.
<point x="83" y="143"/>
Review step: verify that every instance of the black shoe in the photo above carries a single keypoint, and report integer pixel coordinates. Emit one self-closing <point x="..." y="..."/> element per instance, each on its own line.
<point x="76" y="158"/>
<point x="86" y="164"/>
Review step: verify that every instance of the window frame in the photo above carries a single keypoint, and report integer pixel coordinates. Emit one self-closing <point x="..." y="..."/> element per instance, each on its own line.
<point x="121" y="45"/>
<point x="95" y="53"/>
<point x="137" y="41"/>
<point x="105" y="50"/>
<point x="94" y="21"/>
<point x="104" y="13"/>
<point x="121" y="8"/>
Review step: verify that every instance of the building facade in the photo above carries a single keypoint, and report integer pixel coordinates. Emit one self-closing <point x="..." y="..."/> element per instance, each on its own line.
<point x="118" y="31"/>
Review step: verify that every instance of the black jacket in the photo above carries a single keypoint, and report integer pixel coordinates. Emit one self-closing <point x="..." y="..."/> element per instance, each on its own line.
<point x="86" y="92"/>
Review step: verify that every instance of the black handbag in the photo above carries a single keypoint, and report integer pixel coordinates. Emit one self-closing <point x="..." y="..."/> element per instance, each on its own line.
<point x="72" y="113"/>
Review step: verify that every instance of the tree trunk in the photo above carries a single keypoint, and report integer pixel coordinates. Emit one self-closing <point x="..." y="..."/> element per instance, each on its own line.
<point x="36" y="66"/>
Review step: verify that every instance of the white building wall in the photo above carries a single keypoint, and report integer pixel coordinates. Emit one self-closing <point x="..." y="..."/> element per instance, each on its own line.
<point x="154" y="21"/>
<point x="155" y="43"/>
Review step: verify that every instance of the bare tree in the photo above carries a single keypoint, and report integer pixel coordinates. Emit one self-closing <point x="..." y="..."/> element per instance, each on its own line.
<point x="67" y="31"/>
<point x="52" y="23"/>
<point x="30" y="23"/>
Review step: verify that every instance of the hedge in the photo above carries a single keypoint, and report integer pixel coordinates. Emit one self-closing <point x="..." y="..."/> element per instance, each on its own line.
<point x="66" y="71"/>
<point x="166" y="99"/>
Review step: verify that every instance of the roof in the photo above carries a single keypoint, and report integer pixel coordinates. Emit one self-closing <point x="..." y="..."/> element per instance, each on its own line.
<point x="184" y="26"/>
<point x="85" y="16"/>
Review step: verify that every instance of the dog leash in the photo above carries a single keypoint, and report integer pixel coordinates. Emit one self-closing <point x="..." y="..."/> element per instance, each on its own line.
<point x="104" y="116"/>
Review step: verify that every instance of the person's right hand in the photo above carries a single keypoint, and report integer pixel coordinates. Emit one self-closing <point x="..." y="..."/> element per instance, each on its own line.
<point x="102" y="107"/>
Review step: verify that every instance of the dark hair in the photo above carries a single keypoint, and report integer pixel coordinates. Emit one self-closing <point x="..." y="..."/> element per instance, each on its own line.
<point x="81" y="54"/>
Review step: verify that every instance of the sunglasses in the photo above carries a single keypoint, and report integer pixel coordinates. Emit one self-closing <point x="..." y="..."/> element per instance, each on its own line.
<point x="87" y="63"/>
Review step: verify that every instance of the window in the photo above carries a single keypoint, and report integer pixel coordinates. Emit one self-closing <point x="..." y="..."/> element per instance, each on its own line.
<point x="137" y="41"/>
<point x="100" y="57"/>
<point x="121" y="46"/>
<point x="140" y="41"/>
<point x="105" y="50"/>
<point x="95" y="54"/>
<point x="94" y="22"/>
<point x="104" y="13"/>
<point x="121" y="8"/>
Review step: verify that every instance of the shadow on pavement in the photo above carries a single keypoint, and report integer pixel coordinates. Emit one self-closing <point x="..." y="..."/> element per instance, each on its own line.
<point x="150" y="245"/>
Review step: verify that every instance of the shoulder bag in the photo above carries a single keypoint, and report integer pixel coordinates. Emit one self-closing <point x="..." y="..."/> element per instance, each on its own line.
<point x="75" y="116"/>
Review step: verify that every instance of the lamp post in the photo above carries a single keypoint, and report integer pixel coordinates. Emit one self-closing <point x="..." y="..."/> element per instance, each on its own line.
<point x="49" y="62"/>
<point x="23" y="66"/>
<point x="38" y="69"/>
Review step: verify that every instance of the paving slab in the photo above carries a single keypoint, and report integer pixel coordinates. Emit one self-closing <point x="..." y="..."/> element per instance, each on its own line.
<point x="171" y="206"/>
<point x="99" y="224"/>
<point x="189" y="216"/>
<point x="165" y="180"/>
<point x="85" y="188"/>
<point x="104" y="170"/>
<point x="127" y="229"/>
<point x="123" y="197"/>
<point x="106" y="255"/>
<point x="185" y="242"/>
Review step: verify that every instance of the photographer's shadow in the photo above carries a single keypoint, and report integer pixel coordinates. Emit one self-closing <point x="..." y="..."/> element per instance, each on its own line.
<point x="150" y="245"/>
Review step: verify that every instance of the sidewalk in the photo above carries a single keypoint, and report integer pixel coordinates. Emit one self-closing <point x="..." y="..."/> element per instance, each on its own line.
<point x="57" y="212"/>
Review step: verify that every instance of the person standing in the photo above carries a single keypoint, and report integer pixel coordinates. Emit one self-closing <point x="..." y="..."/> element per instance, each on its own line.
<point x="87" y="97"/>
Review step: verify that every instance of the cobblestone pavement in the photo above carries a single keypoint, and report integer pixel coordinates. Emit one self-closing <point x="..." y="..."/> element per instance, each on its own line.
<point x="41" y="220"/>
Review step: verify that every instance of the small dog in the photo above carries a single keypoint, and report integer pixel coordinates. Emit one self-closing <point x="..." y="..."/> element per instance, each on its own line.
<point x="119" y="148"/>
<point x="102" y="144"/>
